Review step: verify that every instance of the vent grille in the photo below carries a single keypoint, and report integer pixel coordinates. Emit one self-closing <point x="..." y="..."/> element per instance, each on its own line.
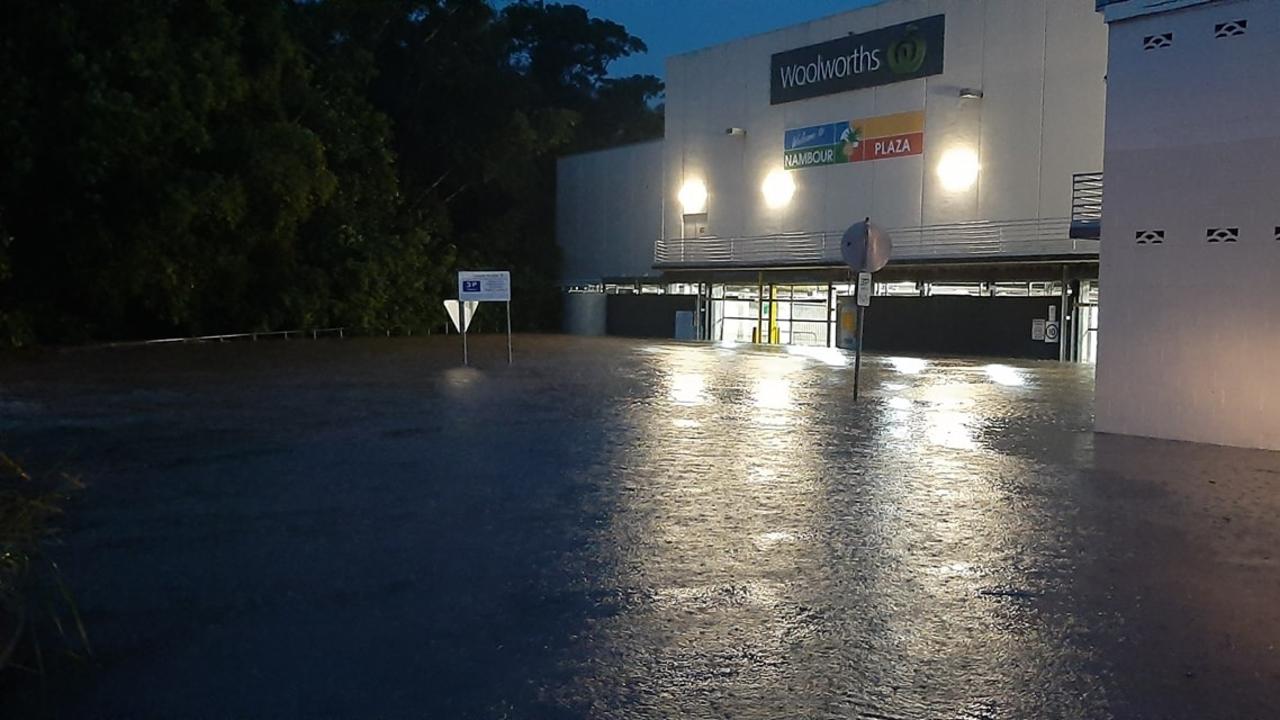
<point x="1230" y="29"/>
<point x="1226" y="234"/>
<point x="1155" y="42"/>
<point x="1154" y="237"/>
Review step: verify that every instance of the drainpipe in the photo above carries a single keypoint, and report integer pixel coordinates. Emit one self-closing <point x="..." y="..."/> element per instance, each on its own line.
<point x="1064" y="313"/>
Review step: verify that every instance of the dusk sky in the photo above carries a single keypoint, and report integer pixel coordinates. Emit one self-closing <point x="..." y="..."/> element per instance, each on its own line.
<point x="670" y="27"/>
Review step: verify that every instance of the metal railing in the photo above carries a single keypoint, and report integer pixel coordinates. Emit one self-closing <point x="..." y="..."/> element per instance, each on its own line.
<point x="951" y="241"/>
<point x="1086" y="205"/>
<point x="250" y="336"/>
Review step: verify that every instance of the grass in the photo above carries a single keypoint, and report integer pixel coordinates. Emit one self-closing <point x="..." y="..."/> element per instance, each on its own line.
<point x="33" y="592"/>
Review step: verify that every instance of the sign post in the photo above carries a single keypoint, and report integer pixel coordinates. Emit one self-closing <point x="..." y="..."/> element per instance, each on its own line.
<point x="461" y="313"/>
<point x="864" y="300"/>
<point x="484" y="286"/>
<point x="865" y="248"/>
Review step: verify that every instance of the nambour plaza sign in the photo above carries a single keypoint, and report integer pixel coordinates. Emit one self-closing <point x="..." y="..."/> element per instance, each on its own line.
<point x="851" y="141"/>
<point x="891" y="54"/>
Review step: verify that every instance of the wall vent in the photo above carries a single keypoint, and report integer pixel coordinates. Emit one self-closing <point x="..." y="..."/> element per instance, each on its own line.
<point x="1226" y="234"/>
<point x="1155" y="42"/>
<point x="1230" y="29"/>
<point x="1154" y="237"/>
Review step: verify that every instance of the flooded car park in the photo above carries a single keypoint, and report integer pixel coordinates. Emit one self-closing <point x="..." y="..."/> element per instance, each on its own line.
<point x="633" y="529"/>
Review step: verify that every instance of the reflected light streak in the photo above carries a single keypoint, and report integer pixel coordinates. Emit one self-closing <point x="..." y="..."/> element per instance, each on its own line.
<point x="908" y="365"/>
<point x="825" y="355"/>
<point x="1005" y="375"/>
<point x="687" y="388"/>
<point x="769" y="539"/>
<point x="773" y="393"/>
<point x="950" y="429"/>
<point x="899" y="403"/>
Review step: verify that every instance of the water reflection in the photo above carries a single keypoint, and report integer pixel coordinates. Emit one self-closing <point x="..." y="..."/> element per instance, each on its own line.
<point x="827" y="356"/>
<point x="808" y="556"/>
<point x="714" y="536"/>
<point x="1005" y="375"/>
<point x="687" y="388"/>
<point x="909" y="365"/>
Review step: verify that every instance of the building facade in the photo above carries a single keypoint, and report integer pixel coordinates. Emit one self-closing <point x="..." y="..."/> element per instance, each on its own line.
<point x="971" y="129"/>
<point x="1191" y="237"/>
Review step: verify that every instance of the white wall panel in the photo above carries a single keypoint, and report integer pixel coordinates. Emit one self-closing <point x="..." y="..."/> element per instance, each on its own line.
<point x="608" y="212"/>
<point x="1188" y="339"/>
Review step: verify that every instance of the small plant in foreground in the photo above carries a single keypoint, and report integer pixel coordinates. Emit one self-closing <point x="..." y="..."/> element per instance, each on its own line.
<point x="31" y="585"/>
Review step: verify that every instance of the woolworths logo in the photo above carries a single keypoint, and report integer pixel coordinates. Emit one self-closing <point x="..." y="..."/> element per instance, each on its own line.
<point x="859" y="60"/>
<point x="907" y="55"/>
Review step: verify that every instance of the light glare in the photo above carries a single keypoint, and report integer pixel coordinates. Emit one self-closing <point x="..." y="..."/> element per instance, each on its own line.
<point x="958" y="169"/>
<point x="778" y="187"/>
<point x="908" y="365"/>
<point x="1005" y="375"/>
<point x="693" y="197"/>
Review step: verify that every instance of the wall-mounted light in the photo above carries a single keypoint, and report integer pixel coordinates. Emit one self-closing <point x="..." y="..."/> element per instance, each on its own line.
<point x="958" y="169"/>
<point x="971" y="93"/>
<point x="778" y="187"/>
<point x="693" y="197"/>
<point x="735" y="131"/>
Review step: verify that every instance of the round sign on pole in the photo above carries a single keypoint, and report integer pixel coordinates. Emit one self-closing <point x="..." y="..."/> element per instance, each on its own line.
<point x="866" y="247"/>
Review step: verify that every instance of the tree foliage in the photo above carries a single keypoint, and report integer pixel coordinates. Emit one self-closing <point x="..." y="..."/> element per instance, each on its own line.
<point x="227" y="165"/>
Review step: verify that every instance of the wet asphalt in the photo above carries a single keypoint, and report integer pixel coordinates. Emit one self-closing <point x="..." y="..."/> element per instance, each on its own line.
<point x="630" y="529"/>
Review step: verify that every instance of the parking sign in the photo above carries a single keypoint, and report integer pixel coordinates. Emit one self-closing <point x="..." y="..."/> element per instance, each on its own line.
<point x="485" y="286"/>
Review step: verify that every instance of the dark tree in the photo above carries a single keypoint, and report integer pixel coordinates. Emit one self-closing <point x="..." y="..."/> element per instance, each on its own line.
<point x="224" y="165"/>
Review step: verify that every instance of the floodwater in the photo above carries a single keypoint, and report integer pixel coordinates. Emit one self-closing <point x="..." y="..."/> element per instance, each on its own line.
<point x="629" y="529"/>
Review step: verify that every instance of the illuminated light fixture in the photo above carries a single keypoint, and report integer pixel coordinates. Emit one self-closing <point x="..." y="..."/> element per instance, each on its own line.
<point x="778" y="187"/>
<point x="693" y="197"/>
<point x="958" y="169"/>
<point x="971" y="93"/>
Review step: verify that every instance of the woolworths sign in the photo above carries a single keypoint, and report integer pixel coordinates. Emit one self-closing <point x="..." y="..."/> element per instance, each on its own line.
<point x="879" y="57"/>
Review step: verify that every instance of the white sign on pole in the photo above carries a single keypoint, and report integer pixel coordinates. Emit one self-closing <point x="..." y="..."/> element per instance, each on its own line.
<point x="469" y="310"/>
<point x="1037" y="329"/>
<point x="484" y="286"/>
<point x="477" y="286"/>
<point x="864" y="289"/>
<point x="1051" y="331"/>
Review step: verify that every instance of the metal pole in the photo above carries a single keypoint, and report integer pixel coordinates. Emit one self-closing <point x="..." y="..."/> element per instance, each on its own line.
<point x="462" y="315"/>
<point x="1062" y="319"/>
<point x="508" y="332"/>
<point x="699" y="308"/>
<point x="760" y="308"/>
<point x="857" y="354"/>
<point x="830" y="306"/>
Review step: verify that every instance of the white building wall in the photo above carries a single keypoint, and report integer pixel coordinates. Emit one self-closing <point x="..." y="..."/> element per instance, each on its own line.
<point x="609" y="212"/>
<point x="1040" y="64"/>
<point x="1190" y="332"/>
